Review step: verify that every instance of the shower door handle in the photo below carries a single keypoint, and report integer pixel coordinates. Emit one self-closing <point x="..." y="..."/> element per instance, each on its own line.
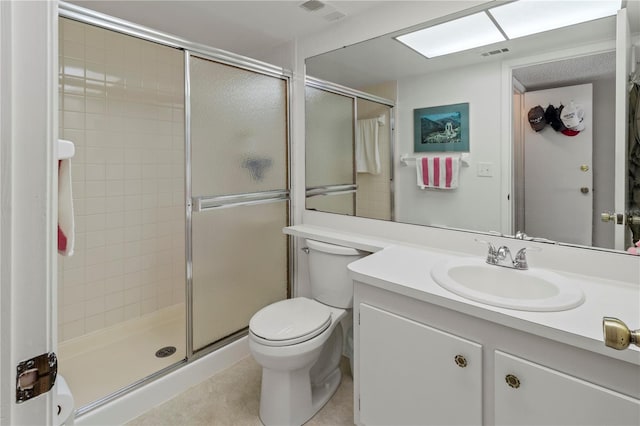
<point x="205" y="203"/>
<point x="331" y="190"/>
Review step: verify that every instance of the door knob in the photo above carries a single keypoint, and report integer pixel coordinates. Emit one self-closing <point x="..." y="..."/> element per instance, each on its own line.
<point x="612" y="217"/>
<point x="584" y="190"/>
<point x="620" y="218"/>
<point x="617" y="335"/>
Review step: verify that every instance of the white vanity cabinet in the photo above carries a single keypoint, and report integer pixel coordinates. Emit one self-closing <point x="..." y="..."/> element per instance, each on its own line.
<point x="527" y="393"/>
<point x="405" y="370"/>
<point x="411" y="374"/>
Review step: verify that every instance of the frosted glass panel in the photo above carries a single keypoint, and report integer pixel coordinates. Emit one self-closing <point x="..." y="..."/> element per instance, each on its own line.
<point x="341" y="204"/>
<point x="239" y="266"/>
<point x="238" y="130"/>
<point x="329" y="138"/>
<point x="374" y="190"/>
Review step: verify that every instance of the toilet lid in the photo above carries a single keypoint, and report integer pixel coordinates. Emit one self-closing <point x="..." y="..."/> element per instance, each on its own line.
<point x="291" y="321"/>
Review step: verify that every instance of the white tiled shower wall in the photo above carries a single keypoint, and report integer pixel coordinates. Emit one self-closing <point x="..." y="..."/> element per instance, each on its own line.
<point x="122" y="104"/>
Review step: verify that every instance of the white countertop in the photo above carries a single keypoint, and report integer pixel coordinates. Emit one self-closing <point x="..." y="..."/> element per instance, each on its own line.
<point x="405" y="270"/>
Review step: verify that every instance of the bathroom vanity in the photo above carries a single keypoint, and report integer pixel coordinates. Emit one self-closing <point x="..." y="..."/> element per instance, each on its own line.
<point x="424" y="355"/>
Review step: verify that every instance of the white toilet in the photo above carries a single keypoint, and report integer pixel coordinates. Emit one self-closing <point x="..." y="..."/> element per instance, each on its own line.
<point x="298" y="342"/>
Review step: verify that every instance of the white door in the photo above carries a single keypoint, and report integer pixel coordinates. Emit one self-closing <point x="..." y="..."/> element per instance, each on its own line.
<point x="530" y="394"/>
<point x="623" y="69"/>
<point x="411" y="374"/>
<point x="28" y="127"/>
<point x="558" y="171"/>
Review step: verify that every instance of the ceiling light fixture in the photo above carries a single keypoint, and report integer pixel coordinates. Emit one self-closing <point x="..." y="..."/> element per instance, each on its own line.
<point x="526" y="17"/>
<point x="453" y="36"/>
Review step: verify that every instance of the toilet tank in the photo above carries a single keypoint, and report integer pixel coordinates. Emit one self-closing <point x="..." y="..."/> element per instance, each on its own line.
<point x="328" y="274"/>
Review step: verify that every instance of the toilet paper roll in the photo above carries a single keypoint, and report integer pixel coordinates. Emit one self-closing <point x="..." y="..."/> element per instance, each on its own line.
<point x="63" y="403"/>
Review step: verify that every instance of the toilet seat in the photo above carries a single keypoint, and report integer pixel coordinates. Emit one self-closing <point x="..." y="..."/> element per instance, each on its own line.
<point x="290" y="321"/>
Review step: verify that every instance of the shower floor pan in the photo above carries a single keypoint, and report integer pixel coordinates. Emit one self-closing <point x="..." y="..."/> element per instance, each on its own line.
<point x="100" y="363"/>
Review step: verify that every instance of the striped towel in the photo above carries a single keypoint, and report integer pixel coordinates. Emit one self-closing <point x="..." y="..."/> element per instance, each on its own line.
<point x="438" y="171"/>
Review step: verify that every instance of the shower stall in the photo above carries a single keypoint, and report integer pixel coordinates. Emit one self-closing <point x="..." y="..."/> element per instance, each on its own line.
<point x="180" y="188"/>
<point x="334" y="142"/>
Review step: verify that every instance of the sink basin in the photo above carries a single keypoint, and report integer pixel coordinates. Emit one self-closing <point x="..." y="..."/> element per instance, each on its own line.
<point x="529" y="290"/>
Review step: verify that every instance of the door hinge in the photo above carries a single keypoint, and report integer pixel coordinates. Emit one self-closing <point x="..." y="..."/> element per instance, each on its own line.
<point x="36" y="376"/>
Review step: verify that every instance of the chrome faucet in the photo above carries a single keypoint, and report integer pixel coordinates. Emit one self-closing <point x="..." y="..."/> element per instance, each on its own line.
<point x="498" y="256"/>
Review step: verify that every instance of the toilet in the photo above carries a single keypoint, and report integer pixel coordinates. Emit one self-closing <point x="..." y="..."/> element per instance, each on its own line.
<point x="298" y="342"/>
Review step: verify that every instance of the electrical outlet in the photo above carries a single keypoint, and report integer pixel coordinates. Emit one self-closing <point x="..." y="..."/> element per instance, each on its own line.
<point x="485" y="169"/>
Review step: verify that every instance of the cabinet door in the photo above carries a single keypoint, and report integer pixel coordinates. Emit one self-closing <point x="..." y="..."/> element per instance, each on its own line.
<point x="409" y="376"/>
<point x="542" y="396"/>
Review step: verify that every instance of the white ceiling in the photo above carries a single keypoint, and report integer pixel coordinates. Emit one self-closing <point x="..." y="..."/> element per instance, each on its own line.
<point x="584" y="69"/>
<point x="247" y="28"/>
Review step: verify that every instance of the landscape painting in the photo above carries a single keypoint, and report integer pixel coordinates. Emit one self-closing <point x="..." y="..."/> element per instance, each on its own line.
<point x="442" y="128"/>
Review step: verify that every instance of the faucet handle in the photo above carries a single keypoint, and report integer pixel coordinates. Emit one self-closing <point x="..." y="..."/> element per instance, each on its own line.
<point x="520" y="261"/>
<point x="492" y="254"/>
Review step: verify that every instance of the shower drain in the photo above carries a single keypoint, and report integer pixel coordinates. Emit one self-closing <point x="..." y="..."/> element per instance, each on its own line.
<point x="166" y="351"/>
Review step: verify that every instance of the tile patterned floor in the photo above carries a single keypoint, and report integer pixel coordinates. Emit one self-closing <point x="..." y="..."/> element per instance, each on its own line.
<point x="232" y="397"/>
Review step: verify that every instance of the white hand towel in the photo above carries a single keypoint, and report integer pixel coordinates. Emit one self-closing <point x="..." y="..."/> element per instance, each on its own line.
<point x="438" y="171"/>
<point x="65" y="209"/>
<point x="367" y="152"/>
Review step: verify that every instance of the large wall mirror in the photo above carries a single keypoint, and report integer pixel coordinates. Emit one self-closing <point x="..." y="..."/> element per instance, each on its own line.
<point x="370" y="105"/>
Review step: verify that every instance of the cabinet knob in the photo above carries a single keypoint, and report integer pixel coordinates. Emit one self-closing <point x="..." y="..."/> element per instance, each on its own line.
<point x="461" y="361"/>
<point x="512" y="381"/>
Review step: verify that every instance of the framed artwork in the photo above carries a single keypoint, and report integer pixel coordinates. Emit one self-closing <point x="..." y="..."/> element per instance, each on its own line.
<point x="441" y="128"/>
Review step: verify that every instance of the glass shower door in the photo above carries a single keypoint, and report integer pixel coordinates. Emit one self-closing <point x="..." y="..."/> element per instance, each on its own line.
<point x="329" y="142"/>
<point x="239" y="195"/>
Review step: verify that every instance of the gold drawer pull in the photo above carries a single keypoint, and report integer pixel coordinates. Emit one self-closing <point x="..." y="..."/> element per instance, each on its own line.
<point x="461" y="361"/>
<point x="512" y="381"/>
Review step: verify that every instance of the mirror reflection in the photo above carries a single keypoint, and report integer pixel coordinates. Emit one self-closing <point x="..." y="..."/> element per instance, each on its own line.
<point x="569" y="183"/>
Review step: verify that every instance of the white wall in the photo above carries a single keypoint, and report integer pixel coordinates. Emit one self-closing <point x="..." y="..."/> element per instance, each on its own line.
<point x="475" y="204"/>
<point x="479" y="86"/>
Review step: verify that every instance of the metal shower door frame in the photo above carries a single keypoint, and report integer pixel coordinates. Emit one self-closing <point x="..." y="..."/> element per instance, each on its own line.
<point x="227" y="201"/>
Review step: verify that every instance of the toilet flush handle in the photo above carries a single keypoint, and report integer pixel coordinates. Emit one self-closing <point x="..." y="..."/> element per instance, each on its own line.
<point x="305" y="249"/>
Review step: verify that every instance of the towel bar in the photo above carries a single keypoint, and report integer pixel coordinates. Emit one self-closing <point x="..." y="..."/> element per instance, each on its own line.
<point x="407" y="159"/>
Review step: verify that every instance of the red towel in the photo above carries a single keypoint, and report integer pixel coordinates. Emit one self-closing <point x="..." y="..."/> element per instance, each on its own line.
<point x="65" y="209"/>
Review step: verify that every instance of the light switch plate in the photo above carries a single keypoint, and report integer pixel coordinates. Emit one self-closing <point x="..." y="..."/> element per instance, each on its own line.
<point x="485" y="169"/>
